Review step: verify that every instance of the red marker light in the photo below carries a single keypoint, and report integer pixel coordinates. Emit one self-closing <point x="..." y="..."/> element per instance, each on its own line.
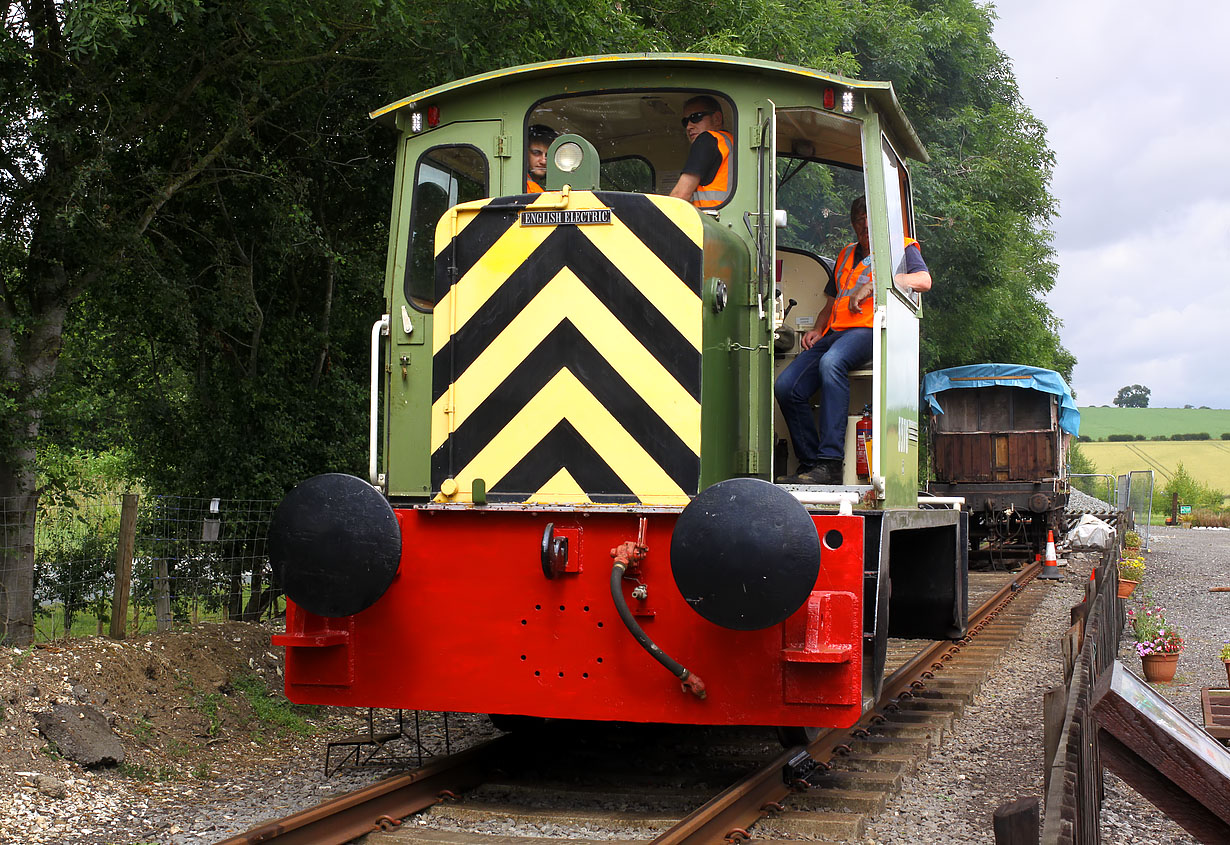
<point x="433" y="116"/>
<point x="830" y="98"/>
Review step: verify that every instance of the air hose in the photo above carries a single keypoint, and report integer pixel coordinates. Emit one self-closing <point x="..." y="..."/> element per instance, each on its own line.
<point x="691" y="682"/>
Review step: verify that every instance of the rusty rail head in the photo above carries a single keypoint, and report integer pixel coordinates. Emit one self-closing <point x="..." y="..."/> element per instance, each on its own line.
<point x="382" y="804"/>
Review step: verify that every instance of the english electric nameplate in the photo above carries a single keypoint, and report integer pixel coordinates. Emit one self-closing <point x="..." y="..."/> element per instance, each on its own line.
<point x="580" y="217"/>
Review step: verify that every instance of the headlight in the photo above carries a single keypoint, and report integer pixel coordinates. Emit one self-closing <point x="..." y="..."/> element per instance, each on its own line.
<point x="568" y="157"/>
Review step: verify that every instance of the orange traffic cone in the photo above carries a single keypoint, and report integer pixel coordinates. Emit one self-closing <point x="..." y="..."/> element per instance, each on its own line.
<point x="1050" y="566"/>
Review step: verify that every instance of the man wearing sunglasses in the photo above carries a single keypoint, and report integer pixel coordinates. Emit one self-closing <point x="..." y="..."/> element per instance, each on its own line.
<point x="705" y="179"/>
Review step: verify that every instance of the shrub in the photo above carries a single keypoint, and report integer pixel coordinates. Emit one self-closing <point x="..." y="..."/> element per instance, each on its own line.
<point x="1210" y="518"/>
<point x="1120" y="438"/>
<point x="1225" y="651"/>
<point x="1085" y="438"/>
<point x="1225" y="435"/>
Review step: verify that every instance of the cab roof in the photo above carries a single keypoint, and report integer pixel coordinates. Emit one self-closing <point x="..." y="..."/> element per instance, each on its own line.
<point x="880" y="93"/>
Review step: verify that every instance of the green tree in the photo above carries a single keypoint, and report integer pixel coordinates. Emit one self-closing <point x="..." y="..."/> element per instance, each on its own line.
<point x="112" y="113"/>
<point x="1132" y="396"/>
<point x="1191" y="492"/>
<point x="195" y="192"/>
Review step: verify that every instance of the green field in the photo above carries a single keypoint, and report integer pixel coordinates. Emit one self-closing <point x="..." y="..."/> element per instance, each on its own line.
<point x="1206" y="461"/>
<point x="1099" y="423"/>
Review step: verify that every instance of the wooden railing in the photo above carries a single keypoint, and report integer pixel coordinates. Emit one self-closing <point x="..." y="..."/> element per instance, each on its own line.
<point x="1074" y="772"/>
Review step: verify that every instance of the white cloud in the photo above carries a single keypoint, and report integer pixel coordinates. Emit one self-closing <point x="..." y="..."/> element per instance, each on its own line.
<point x="1132" y="97"/>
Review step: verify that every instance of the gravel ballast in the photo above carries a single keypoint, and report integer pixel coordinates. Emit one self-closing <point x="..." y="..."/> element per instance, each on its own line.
<point x="993" y="755"/>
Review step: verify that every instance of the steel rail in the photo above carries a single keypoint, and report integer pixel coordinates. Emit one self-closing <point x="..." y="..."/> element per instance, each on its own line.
<point x="383" y="804"/>
<point x="727" y="816"/>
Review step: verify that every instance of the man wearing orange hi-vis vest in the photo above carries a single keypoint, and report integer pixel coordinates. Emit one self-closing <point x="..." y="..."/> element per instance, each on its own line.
<point x="706" y="176"/>
<point x="540" y="138"/>
<point x="841" y="341"/>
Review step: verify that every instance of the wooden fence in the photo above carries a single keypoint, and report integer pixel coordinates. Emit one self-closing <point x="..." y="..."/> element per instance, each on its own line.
<point x="1074" y="773"/>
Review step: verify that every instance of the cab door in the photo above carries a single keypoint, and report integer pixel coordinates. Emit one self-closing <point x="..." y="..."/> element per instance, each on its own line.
<point x="435" y="170"/>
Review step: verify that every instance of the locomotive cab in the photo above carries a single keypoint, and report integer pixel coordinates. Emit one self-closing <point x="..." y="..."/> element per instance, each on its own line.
<point x="573" y="426"/>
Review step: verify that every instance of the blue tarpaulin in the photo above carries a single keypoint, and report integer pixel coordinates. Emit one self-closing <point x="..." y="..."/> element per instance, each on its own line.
<point x="1007" y="375"/>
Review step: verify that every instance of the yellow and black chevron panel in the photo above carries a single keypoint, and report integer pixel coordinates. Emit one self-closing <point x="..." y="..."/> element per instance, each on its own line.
<point x="566" y="355"/>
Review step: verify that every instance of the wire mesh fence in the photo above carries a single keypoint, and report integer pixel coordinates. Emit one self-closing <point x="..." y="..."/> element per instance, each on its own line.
<point x="1139" y="498"/>
<point x="188" y="560"/>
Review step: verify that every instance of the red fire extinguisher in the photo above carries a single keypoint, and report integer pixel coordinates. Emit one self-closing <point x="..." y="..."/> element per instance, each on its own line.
<point x="862" y="448"/>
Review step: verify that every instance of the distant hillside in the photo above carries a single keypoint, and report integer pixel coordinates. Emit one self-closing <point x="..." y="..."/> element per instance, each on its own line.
<point x="1099" y="423"/>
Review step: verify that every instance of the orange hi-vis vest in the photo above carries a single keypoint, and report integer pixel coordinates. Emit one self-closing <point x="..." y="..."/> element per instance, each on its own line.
<point x="716" y="192"/>
<point x="848" y="276"/>
<point x="532" y="187"/>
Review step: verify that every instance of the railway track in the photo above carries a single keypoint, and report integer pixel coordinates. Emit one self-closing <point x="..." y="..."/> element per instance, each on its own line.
<point x="669" y="785"/>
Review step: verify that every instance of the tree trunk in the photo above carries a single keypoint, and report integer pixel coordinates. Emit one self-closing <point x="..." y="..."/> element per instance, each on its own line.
<point x="19" y="500"/>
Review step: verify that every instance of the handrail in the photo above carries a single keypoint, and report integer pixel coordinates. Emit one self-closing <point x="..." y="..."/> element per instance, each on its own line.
<point x="379" y="328"/>
<point x="844" y="499"/>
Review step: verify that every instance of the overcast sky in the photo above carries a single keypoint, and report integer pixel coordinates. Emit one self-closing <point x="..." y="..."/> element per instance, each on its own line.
<point x="1134" y="97"/>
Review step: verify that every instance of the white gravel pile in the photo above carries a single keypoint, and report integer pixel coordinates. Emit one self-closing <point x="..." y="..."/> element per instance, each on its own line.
<point x="1080" y="502"/>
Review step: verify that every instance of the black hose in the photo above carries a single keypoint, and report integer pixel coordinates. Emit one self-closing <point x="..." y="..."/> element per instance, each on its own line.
<point x="690" y="681"/>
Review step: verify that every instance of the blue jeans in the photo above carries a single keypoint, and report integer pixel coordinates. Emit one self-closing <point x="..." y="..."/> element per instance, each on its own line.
<point x="825" y="366"/>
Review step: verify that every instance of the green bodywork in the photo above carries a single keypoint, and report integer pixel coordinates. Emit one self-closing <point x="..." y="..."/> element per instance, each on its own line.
<point x="488" y="113"/>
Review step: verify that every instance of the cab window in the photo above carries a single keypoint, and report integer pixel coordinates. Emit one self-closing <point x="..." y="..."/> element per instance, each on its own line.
<point x="443" y="177"/>
<point x="819" y="174"/>
<point x="638" y="134"/>
<point x="900" y="222"/>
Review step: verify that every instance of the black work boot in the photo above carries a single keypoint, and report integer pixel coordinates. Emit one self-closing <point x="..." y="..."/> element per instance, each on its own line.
<point x="829" y="472"/>
<point x="825" y="472"/>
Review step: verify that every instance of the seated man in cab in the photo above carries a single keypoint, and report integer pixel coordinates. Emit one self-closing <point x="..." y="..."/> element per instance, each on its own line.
<point x="841" y="342"/>
<point x="540" y="138"/>
<point x="705" y="180"/>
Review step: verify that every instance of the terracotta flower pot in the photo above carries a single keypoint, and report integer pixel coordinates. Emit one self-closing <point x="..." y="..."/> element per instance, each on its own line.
<point x="1159" y="668"/>
<point x="1126" y="587"/>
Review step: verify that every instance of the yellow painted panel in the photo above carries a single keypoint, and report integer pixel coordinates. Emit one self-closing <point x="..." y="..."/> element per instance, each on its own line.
<point x="566" y="398"/>
<point x="566" y="297"/>
<point x="651" y="277"/>
<point x="561" y="489"/>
